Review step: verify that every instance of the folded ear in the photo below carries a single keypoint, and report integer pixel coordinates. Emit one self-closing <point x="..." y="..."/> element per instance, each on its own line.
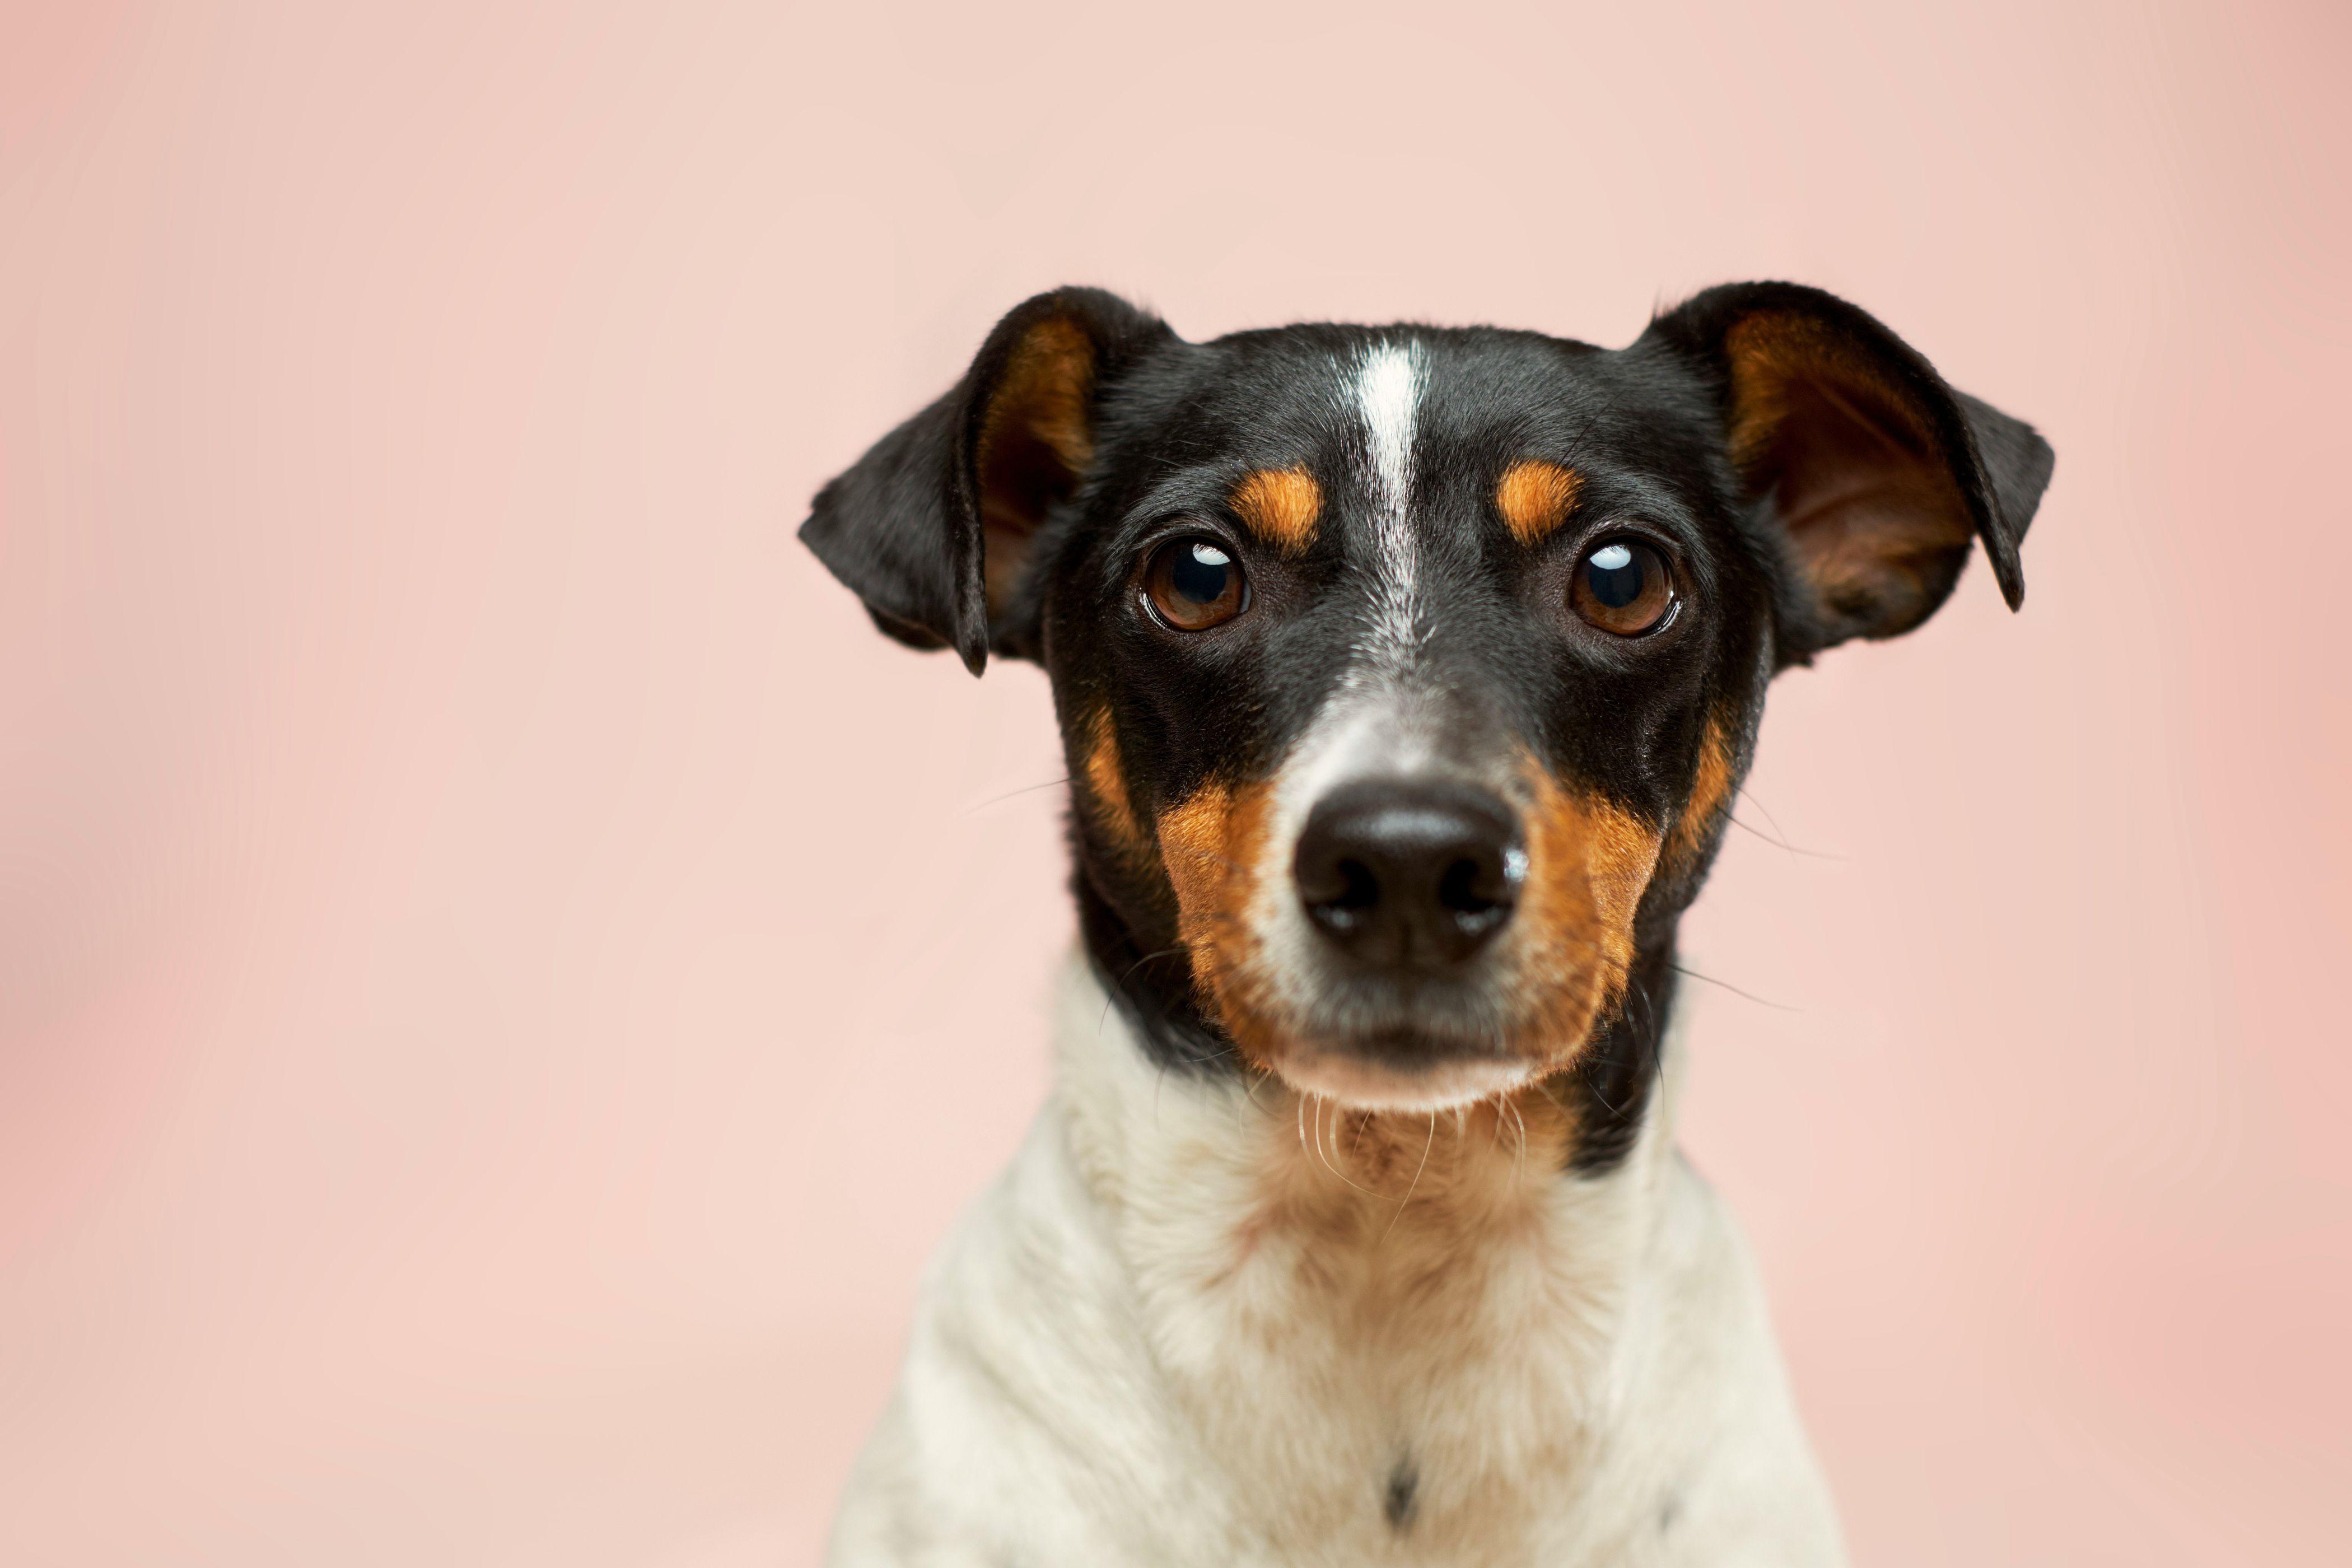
<point x="932" y="527"/>
<point x="1875" y="473"/>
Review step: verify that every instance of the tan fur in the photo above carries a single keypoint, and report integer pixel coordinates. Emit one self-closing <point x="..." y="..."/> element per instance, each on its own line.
<point x="1535" y="498"/>
<point x="1105" y="778"/>
<point x="1036" y="438"/>
<point x="1914" y="509"/>
<point x="1211" y="846"/>
<point x="1588" y="863"/>
<point x="1710" y="796"/>
<point x="1282" y="506"/>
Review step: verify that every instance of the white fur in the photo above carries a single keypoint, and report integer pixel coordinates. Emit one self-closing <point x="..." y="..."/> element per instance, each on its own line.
<point x="1134" y="1352"/>
<point x="1388" y="387"/>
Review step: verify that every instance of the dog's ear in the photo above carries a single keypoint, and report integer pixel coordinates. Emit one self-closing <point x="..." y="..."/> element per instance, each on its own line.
<point x="1874" y="474"/>
<point x="932" y="527"/>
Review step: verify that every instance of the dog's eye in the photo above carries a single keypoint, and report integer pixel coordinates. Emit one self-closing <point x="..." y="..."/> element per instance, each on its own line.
<point x="1195" y="584"/>
<point x="1623" y="587"/>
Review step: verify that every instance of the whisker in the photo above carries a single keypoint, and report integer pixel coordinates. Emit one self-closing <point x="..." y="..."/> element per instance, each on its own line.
<point x="1327" y="1159"/>
<point x="1649" y="1030"/>
<point x="1584" y="1071"/>
<point x="1120" y="985"/>
<point x="1008" y="794"/>
<point x="1735" y="990"/>
<point x="1780" y="842"/>
<point x="1417" y="1170"/>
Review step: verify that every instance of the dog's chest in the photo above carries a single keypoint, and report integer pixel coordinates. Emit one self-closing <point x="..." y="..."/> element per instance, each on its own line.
<point x="1189" y="1328"/>
<point x="1381" y="1377"/>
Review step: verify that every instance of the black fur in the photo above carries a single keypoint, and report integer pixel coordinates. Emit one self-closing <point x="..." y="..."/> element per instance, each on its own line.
<point x="902" y="527"/>
<point x="1170" y="426"/>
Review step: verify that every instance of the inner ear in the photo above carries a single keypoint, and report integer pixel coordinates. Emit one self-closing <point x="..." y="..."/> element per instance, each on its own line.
<point x="1849" y="456"/>
<point x="1036" y="441"/>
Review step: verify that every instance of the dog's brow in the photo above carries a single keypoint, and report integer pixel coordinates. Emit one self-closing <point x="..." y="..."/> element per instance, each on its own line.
<point x="1281" y="506"/>
<point x="1535" y="498"/>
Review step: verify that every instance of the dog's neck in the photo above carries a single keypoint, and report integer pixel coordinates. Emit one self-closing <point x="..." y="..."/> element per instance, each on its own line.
<point x="1442" y="1309"/>
<point x="1216" y="1166"/>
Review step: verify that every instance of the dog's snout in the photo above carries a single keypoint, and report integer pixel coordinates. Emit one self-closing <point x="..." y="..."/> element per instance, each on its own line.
<point x="1408" y="873"/>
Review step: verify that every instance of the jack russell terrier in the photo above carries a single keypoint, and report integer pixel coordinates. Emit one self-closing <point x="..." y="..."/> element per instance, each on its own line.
<point x="1406" y="675"/>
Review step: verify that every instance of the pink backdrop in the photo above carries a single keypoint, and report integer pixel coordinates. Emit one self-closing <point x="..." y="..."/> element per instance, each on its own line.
<point x="503" y="977"/>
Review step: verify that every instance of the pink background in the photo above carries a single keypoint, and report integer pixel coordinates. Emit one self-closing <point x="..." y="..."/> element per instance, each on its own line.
<point x="504" y="977"/>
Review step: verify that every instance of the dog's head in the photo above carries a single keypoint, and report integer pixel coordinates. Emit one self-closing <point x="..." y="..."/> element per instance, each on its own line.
<point x="1406" y="674"/>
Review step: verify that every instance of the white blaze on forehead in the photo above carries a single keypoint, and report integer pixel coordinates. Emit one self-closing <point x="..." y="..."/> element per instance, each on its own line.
<point x="1375" y="722"/>
<point x="1388" y="388"/>
<point x="1388" y="394"/>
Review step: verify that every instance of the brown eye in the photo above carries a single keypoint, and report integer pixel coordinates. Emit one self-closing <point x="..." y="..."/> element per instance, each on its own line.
<point x="1195" y="584"/>
<point x="1623" y="587"/>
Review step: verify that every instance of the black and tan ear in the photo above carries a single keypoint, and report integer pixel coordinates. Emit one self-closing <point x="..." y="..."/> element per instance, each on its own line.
<point x="1875" y="475"/>
<point x="932" y="527"/>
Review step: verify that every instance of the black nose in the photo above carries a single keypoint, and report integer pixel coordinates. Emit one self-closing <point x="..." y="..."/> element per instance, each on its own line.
<point x="1409" y="873"/>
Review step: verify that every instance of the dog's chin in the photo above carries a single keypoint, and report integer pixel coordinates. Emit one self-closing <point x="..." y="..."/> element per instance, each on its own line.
<point x="1360" y="1083"/>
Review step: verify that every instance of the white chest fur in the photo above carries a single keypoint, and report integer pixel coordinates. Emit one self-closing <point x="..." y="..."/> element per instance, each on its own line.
<point x="1192" y="1326"/>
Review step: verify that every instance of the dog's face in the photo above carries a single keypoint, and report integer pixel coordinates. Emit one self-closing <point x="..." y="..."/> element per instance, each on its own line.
<point x="1406" y="675"/>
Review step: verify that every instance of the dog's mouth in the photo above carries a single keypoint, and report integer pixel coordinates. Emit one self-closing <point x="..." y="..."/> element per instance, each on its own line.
<point x="1367" y="1083"/>
<point x="1371" y="1045"/>
<point x="1399" y="1065"/>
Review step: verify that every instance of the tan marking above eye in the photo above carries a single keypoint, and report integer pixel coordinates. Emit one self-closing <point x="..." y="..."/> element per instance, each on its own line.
<point x="1534" y="497"/>
<point x="1281" y="506"/>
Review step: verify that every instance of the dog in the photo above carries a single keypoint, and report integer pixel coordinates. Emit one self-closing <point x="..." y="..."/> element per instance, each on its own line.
<point x="1406" y="675"/>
